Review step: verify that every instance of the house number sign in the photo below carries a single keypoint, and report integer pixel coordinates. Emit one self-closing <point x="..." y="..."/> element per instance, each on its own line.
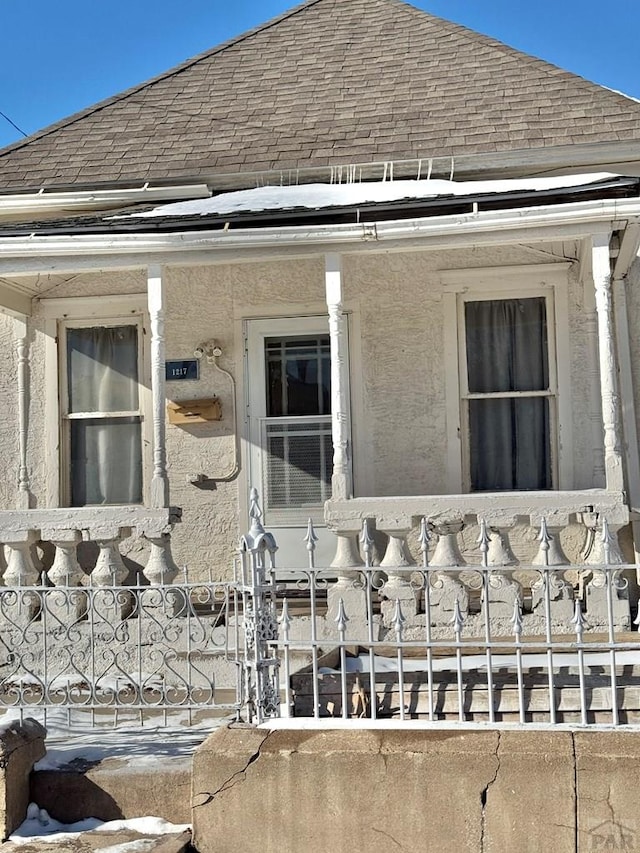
<point x="185" y="369"/>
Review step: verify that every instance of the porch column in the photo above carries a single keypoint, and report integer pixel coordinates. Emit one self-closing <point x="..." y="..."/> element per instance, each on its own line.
<point x="614" y="476"/>
<point x="155" y="295"/>
<point x="22" y="351"/>
<point x="341" y="480"/>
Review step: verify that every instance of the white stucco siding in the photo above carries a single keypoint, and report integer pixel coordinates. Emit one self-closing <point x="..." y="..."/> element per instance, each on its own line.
<point x="398" y="378"/>
<point x="401" y="370"/>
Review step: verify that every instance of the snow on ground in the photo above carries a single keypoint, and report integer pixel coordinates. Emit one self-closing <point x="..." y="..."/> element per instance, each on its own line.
<point x="315" y="196"/>
<point x="74" y="740"/>
<point x="39" y="826"/>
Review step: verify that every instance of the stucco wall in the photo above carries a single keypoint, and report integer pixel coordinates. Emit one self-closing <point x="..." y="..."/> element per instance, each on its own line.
<point x="398" y="370"/>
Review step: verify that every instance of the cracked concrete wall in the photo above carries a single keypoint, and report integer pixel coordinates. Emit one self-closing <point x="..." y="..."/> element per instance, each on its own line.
<point x="419" y="791"/>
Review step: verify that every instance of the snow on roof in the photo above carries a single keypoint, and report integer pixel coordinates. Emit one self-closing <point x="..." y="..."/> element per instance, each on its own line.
<point x="316" y="196"/>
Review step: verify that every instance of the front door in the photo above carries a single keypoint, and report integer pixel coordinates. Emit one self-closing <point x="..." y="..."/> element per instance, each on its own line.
<point x="289" y="430"/>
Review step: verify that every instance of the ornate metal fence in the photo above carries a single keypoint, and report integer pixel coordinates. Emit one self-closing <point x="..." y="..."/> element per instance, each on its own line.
<point x="536" y="644"/>
<point x="435" y="638"/>
<point x="112" y="653"/>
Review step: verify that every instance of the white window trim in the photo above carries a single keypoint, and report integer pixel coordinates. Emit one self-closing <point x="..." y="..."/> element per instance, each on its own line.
<point x="460" y="286"/>
<point x="85" y="311"/>
<point x="256" y="331"/>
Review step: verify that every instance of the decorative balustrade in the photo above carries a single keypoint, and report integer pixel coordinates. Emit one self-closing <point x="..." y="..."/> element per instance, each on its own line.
<point x="473" y="617"/>
<point x="24" y="533"/>
<point x="445" y="619"/>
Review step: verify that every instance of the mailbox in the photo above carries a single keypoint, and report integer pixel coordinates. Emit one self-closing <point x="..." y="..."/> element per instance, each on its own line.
<point x="194" y="411"/>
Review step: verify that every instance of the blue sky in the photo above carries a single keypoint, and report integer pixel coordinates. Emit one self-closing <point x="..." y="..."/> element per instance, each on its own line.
<point x="59" y="57"/>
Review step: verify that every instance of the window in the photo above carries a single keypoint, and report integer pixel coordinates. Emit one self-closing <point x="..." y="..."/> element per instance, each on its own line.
<point x="289" y="386"/>
<point x="507" y="394"/>
<point x="102" y="412"/>
<point x="507" y="354"/>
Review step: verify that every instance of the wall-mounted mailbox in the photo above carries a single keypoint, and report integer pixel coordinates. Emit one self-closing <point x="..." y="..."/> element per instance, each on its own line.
<point x="194" y="411"/>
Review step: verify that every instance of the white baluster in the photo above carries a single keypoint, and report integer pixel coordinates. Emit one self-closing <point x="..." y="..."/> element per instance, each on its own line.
<point x="21" y="569"/>
<point x="110" y="603"/>
<point x="20" y="572"/>
<point x="66" y="603"/>
<point x="350" y="587"/>
<point x="397" y="563"/>
<point x="65" y="569"/>
<point x="160" y="568"/>
<point x="561" y="598"/>
<point x="501" y="588"/>
<point x="447" y="593"/>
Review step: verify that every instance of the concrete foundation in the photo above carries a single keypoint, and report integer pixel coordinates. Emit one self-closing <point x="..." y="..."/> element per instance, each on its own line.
<point x="116" y="789"/>
<point x="21" y="745"/>
<point x="427" y="791"/>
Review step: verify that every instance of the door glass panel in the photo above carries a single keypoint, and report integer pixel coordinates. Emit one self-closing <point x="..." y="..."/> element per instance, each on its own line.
<point x="296" y="433"/>
<point x="298" y="376"/>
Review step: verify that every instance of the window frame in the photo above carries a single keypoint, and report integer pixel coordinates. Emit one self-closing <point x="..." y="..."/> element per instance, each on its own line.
<point x="87" y="312"/>
<point x="461" y="286"/>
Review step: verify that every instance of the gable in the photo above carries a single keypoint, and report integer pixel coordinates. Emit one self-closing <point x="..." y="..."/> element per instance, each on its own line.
<point x="331" y="83"/>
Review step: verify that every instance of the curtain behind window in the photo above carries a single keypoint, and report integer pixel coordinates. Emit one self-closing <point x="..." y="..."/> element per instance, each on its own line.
<point x="507" y="351"/>
<point x="106" y="453"/>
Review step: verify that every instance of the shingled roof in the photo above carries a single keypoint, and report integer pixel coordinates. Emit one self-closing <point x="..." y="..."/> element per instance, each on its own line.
<point x="330" y="83"/>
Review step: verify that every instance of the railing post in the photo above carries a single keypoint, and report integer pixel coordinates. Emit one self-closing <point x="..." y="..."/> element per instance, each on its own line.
<point x="257" y="552"/>
<point x="21" y="571"/>
<point x="606" y="593"/>
<point x="160" y="568"/>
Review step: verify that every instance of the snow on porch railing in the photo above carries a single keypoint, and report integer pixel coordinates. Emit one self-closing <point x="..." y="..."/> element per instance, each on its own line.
<point x="110" y="654"/>
<point x="544" y="644"/>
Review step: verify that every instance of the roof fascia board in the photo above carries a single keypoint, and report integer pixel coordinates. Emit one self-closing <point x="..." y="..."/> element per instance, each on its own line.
<point x="219" y="253"/>
<point x="28" y="255"/>
<point x="98" y="199"/>
<point x="14" y="302"/>
<point x="585" y="212"/>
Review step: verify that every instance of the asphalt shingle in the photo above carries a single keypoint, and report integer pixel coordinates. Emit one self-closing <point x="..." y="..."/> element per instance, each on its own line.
<point x="329" y="83"/>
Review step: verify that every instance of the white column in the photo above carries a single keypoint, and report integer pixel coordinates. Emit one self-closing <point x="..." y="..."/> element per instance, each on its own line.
<point x="155" y="294"/>
<point x="595" y="408"/>
<point x="341" y="481"/>
<point x="614" y="475"/>
<point x="22" y="351"/>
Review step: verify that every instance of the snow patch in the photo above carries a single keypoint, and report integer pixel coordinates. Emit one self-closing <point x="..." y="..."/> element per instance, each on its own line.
<point x="39" y="826"/>
<point x="316" y="196"/>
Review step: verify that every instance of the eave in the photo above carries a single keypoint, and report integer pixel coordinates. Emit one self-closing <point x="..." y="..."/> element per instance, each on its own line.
<point x="77" y="253"/>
